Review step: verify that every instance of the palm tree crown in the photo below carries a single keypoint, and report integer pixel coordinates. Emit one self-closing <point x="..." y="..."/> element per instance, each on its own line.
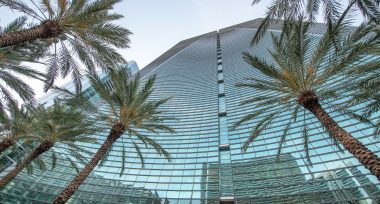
<point x="11" y="85"/>
<point x="300" y="78"/>
<point x="127" y="108"/>
<point x="76" y="29"/>
<point x="66" y="128"/>
<point x="15" y="125"/>
<point x="57" y="128"/>
<point x="127" y="103"/>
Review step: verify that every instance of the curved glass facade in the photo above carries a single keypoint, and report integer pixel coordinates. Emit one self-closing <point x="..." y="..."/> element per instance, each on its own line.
<point x="208" y="165"/>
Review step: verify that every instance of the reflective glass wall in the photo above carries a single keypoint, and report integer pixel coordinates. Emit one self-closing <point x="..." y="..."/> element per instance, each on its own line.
<point x="208" y="165"/>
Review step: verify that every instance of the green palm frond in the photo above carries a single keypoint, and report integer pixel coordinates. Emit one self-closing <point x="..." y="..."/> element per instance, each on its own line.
<point x="265" y="68"/>
<point x="150" y="142"/>
<point x="15" y="25"/>
<point x="369" y="9"/>
<point x="40" y="163"/>
<point x="138" y="151"/>
<point x="261" y="126"/>
<point x="277" y="11"/>
<point x="344" y="111"/>
<point x="29" y="169"/>
<point x="376" y="131"/>
<point x="88" y="36"/>
<point x="12" y="69"/>
<point x="21" y="7"/>
<point x="66" y="127"/>
<point x="282" y="12"/>
<point x="129" y="103"/>
<point x="331" y="65"/>
<point x="247" y="118"/>
<point x="123" y="159"/>
<point x="262" y="29"/>
<point x="54" y="160"/>
<point x="283" y="140"/>
<point x="75" y="100"/>
<point x="73" y="164"/>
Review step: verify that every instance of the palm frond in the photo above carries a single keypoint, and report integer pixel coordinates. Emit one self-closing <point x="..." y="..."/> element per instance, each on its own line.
<point x="344" y="111"/>
<point x="21" y="7"/>
<point x="305" y="138"/>
<point x="88" y="36"/>
<point x="150" y="142"/>
<point x="247" y="118"/>
<point x="262" y="66"/>
<point x="138" y="150"/>
<point x="53" y="160"/>
<point x="46" y="4"/>
<point x="15" y="25"/>
<point x="258" y="129"/>
<point x="283" y="140"/>
<point x="123" y="160"/>
<point x="73" y="164"/>
<point x="329" y="65"/>
<point x="29" y="169"/>
<point x="262" y="29"/>
<point x="369" y="9"/>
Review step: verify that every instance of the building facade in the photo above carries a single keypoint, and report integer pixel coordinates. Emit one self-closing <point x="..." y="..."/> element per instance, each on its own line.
<point x="208" y="166"/>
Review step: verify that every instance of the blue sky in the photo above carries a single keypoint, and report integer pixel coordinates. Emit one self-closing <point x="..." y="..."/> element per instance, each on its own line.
<point x="158" y="25"/>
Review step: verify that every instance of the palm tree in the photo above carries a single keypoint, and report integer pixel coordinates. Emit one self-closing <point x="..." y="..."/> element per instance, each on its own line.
<point x="303" y="78"/>
<point x="11" y="85"/>
<point x="55" y="128"/>
<point x="290" y="10"/>
<point x="129" y="111"/>
<point x="17" y="125"/>
<point x="76" y="29"/>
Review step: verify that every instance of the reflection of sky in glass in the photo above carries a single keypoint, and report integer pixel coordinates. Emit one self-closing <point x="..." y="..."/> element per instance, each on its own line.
<point x="199" y="170"/>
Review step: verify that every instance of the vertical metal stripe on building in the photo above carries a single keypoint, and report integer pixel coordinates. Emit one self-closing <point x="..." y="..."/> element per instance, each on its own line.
<point x="225" y="167"/>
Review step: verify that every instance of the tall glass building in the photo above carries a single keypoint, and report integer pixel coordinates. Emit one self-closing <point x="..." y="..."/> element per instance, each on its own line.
<point x="208" y="166"/>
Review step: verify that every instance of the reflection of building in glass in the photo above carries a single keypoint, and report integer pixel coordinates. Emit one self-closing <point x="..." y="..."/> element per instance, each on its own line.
<point x="264" y="180"/>
<point x="44" y="186"/>
<point x="10" y="157"/>
<point x="258" y="181"/>
<point x="210" y="183"/>
<point x="200" y="74"/>
<point x="347" y="184"/>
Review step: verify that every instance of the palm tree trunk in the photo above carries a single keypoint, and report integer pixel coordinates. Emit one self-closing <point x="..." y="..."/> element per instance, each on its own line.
<point x="43" y="147"/>
<point x="117" y="130"/>
<point x="5" y="143"/>
<point x="47" y="29"/>
<point x="365" y="156"/>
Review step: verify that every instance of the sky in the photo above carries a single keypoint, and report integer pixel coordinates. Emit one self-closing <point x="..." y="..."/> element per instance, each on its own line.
<point x="159" y="25"/>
